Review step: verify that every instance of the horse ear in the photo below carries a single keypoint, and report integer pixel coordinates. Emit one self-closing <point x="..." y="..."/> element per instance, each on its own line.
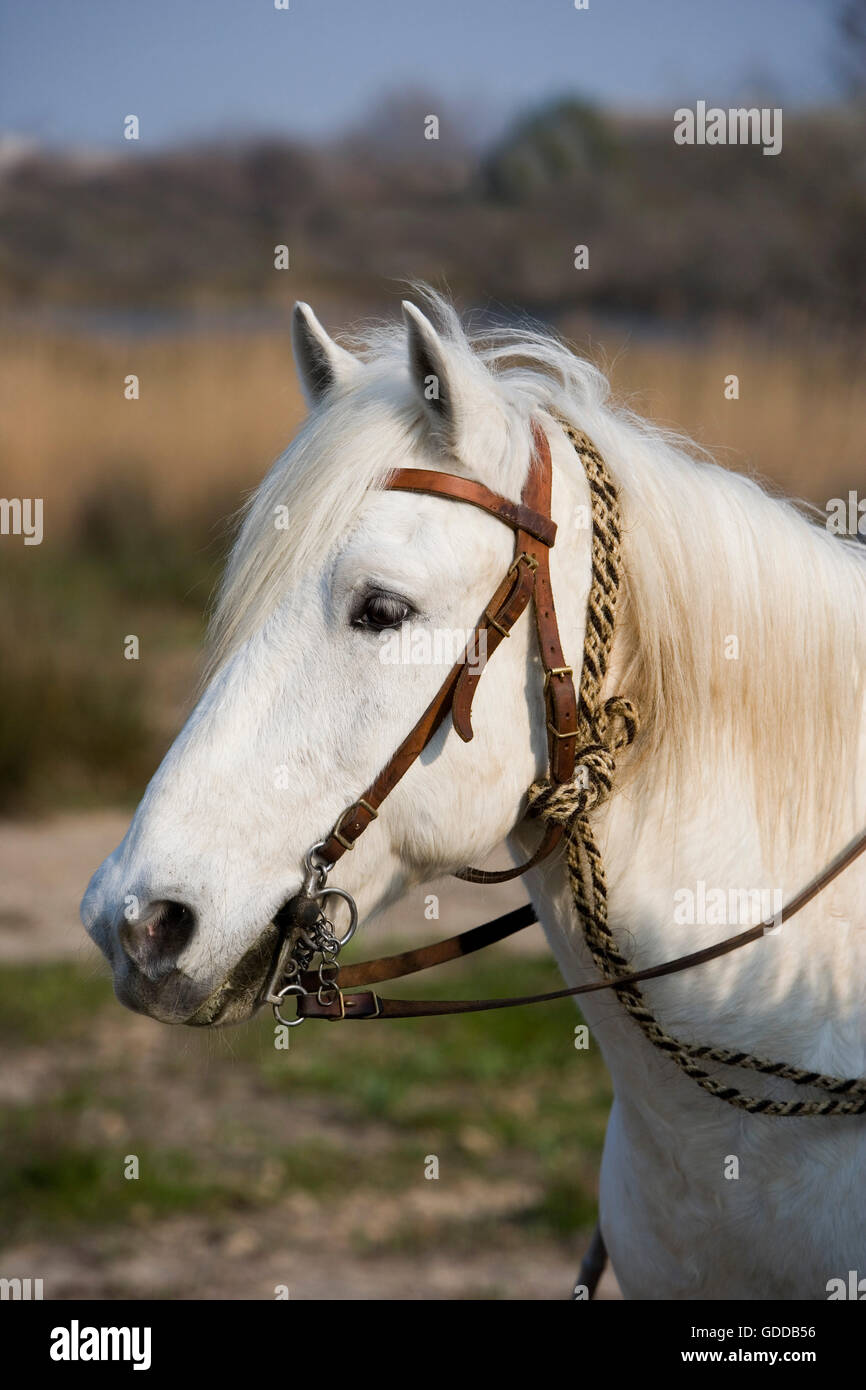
<point x="431" y="378"/>
<point x="322" y="364"/>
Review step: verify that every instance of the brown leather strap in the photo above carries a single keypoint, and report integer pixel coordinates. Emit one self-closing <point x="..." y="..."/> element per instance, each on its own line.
<point x="507" y="604"/>
<point x="549" y="840"/>
<point x="559" y="691"/>
<point x="355" y="819"/>
<point x="560" y="697"/>
<point x="366" y="1004"/>
<point x="518" y="515"/>
<point x="376" y="972"/>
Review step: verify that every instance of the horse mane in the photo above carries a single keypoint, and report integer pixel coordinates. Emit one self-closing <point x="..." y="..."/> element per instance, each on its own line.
<point x="741" y="616"/>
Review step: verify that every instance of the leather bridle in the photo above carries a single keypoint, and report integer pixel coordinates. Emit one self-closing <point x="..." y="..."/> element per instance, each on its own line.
<point x="527" y="581"/>
<point x="303" y="929"/>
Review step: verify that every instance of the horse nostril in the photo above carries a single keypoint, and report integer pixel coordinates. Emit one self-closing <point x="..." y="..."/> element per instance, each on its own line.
<point x="155" y="939"/>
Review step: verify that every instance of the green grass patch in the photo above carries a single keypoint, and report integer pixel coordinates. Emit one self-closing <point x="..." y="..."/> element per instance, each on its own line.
<point x="50" y="1002"/>
<point x="501" y="1098"/>
<point x="566" y="1205"/>
<point x="52" y="1178"/>
<point x="55" y="1176"/>
<point x="402" y="1070"/>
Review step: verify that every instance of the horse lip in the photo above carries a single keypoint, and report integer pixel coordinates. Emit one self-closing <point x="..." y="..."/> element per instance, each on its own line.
<point x="240" y="993"/>
<point x="168" y="1001"/>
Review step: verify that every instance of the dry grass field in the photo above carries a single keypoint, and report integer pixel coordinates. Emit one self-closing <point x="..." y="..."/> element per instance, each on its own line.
<point x="215" y="409"/>
<point x="212" y="413"/>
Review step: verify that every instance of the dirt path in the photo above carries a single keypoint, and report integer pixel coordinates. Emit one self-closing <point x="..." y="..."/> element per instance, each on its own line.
<point x="250" y="1258"/>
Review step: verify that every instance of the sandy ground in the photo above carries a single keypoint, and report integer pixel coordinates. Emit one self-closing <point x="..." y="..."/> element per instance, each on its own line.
<point x="195" y="1259"/>
<point x="44" y="868"/>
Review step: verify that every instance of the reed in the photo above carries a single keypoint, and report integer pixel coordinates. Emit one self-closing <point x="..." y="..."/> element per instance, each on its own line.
<point x="215" y="410"/>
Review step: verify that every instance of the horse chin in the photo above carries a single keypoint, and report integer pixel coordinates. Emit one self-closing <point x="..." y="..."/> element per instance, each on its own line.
<point x="240" y="994"/>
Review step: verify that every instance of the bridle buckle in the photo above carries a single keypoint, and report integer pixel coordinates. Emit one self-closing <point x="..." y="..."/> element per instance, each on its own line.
<point x="336" y="832"/>
<point x="494" y="623"/>
<point x="524" y="555"/>
<point x="334" y="991"/>
<point x="556" y="671"/>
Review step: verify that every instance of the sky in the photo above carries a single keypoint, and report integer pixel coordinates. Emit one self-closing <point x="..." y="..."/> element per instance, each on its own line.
<point x="70" y="70"/>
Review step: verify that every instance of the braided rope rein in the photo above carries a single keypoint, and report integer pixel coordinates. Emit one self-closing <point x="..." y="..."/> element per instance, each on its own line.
<point x="604" y="729"/>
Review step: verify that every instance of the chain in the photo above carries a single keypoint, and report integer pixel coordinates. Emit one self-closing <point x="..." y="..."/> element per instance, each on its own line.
<point x="316" y="936"/>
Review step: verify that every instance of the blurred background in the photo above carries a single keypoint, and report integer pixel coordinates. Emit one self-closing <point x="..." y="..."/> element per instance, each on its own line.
<point x="305" y="127"/>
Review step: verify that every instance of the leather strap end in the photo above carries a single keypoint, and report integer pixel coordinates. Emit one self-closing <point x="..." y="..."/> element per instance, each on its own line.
<point x="552" y="835"/>
<point x="508" y="603"/>
<point x="461" y="714"/>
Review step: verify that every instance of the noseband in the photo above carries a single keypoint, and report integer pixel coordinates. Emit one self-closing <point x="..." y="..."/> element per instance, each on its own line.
<point x="582" y="740"/>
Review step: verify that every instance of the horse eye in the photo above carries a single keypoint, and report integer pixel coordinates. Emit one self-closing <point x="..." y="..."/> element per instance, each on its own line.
<point x="380" y="610"/>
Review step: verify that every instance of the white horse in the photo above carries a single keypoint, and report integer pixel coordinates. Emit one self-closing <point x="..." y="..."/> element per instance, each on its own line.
<point x="741" y="639"/>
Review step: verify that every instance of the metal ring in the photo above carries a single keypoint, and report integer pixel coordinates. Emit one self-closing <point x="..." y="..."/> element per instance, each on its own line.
<point x="353" y="911"/>
<point x="322" y="869"/>
<point x="288" y="989"/>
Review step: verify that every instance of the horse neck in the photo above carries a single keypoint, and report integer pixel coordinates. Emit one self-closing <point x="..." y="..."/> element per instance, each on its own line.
<point x="693" y="810"/>
<point x="741" y="637"/>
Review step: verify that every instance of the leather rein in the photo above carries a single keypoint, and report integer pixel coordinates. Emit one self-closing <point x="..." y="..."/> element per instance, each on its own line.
<point x="304" y="932"/>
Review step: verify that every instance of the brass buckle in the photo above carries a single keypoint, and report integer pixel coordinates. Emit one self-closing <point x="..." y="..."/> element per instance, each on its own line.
<point x="341" y="839"/>
<point x="377" y="1014"/>
<point x="493" y="623"/>
<point x="325" y="1003"/>
<point x="556" y="671"/>
<point x="530" y="560"/>
<point x="556" y="734"/>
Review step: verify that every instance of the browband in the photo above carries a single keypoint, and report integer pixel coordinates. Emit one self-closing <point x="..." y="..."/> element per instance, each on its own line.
<point x="515" y="514"/>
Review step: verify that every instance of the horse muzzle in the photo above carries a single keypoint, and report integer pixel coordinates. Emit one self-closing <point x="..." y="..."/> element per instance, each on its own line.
<point x="272" y="968"/>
